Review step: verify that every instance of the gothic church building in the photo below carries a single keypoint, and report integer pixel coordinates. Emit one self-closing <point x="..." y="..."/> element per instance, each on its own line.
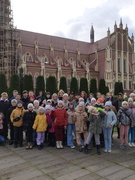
<point x="111" y="58"/>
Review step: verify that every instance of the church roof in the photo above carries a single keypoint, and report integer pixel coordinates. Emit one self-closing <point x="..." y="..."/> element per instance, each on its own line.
<point x="28" y="38"/>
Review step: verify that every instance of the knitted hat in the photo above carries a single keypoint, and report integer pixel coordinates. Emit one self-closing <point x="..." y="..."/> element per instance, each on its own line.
<point x="60" y="102"/>
<point x="100" y="100"/>
<point x="108" y="103"/>
<point x="93" y="99"/>
<point x="30" y="105"/>
<point x="132" y="94"/>
<point x="41" y="108"/>
<point x="19" y="102"/>
<point x="65" y="94"/>
<point x="81" y="103"/>
<point x="130" y="100"/>
<point x="13" y="100"/>
<point x="36" y="101"/>
<point x="49" y="100"/>
<point x="124" y="102"/>
<point x="81" y="99"/>
<point x="48" y="107"/>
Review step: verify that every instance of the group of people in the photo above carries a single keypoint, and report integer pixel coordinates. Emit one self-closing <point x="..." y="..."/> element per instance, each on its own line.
<point x="69" y="119"/>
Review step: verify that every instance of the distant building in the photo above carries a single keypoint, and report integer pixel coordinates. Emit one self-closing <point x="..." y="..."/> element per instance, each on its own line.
<point x="111" y="58"/>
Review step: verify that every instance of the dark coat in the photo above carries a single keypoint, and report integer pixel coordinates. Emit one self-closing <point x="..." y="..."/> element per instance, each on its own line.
<point x="9" y="113"/>
<point x="96" y="122"/>
<point x="28" y="119"/>
<point x="4" y="106"/>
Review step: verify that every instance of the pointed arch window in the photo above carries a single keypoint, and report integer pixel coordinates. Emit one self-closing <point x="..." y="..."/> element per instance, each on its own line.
<point x="28" y="57"/>
<point x="119" y="68"/>
<point x="124" y="66"/>
<point x="45" y="59"/>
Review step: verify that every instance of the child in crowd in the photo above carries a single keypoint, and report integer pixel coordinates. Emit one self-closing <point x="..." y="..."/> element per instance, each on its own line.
<point x="13" y="106"/>
<point x="28" y="121"/>
<point x="60" y="94"/>
<point x="84" y="96"/>
<point x="31" y="96"/>
<point x="108" y="123"/>
<point x="65" y="100"/>
<point x="54" y="100"/>
<point x="93" y="101"/>
<point x="99" y="104"/>
<point x="51" y="128"/>
<point x="1" y="128"/>
<point x="36" y="106"/>
<point x="95" y="128"/>
<point x="36" y="109"/>
<point x="40" y="125"/>
<point x="49" y="102"/>
<point x="60" y="123"/>
<point x="48" y="96"/>
<point x="16" y="119"/>
<point x="131" y="131"/>
<point x="70" y="125"/>
<point x="91" y="95"/>
<point x="25" y="99"/>
<point x="80" y="118"/>
<point x="124" y="121"/>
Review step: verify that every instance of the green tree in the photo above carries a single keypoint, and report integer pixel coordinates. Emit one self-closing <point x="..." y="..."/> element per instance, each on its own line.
<point x="93" y="86"/>
<point x="102" y="86"/>
<point x="84" y="85"/>
<point x="118" y="87"/>
<point x="3" y="83"/>
<point x="107" y="89"/>
<point x="21" y="79"/>
<point x="51" y="85"/>
<point x="63" y="84"/>
<point x="28" y="83"/>
<point x="121" y="87"/>
<point x="74" y="85"/>
<point x="14" y="84"/>
<point x="40" y="84"/>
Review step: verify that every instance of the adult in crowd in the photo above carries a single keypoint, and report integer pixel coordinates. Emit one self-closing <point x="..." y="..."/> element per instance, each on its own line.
<point x="118" y="104"/>
<point x="4" y="106"/>
<point x="25" y="98"/>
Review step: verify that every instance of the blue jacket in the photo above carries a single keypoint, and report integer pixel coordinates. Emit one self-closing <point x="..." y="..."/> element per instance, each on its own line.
<point x="109" y="119"/>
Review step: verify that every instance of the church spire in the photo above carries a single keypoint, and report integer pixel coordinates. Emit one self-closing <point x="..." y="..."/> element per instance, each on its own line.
<point x="92" y="34"/>
<point x="121" y="24"/>
<point x="115" y="27"/>
<point x="108" y="32"/>
<point x="126" y="28"/>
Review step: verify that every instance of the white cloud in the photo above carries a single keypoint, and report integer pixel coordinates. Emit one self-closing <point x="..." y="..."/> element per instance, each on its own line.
<point x="73" y="18"/>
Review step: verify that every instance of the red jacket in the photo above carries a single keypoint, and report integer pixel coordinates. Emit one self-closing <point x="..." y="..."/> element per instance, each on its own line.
<point x="60" y="117"/>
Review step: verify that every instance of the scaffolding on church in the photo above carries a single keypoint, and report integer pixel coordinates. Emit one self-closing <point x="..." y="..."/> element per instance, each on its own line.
<point x="8" y="40"/>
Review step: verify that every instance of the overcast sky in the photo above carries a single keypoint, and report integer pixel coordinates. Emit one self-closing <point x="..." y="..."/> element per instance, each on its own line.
<point x="73" y="18"/>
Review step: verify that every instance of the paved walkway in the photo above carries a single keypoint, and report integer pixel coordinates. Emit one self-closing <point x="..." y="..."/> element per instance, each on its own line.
<point x="66" y="164"/>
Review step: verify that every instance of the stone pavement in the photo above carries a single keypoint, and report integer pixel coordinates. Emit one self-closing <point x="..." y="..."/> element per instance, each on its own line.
<point x="66" y="164"/>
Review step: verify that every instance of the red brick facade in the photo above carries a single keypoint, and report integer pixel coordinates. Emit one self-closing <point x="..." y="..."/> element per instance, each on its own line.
<point x="49" y="55"/>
